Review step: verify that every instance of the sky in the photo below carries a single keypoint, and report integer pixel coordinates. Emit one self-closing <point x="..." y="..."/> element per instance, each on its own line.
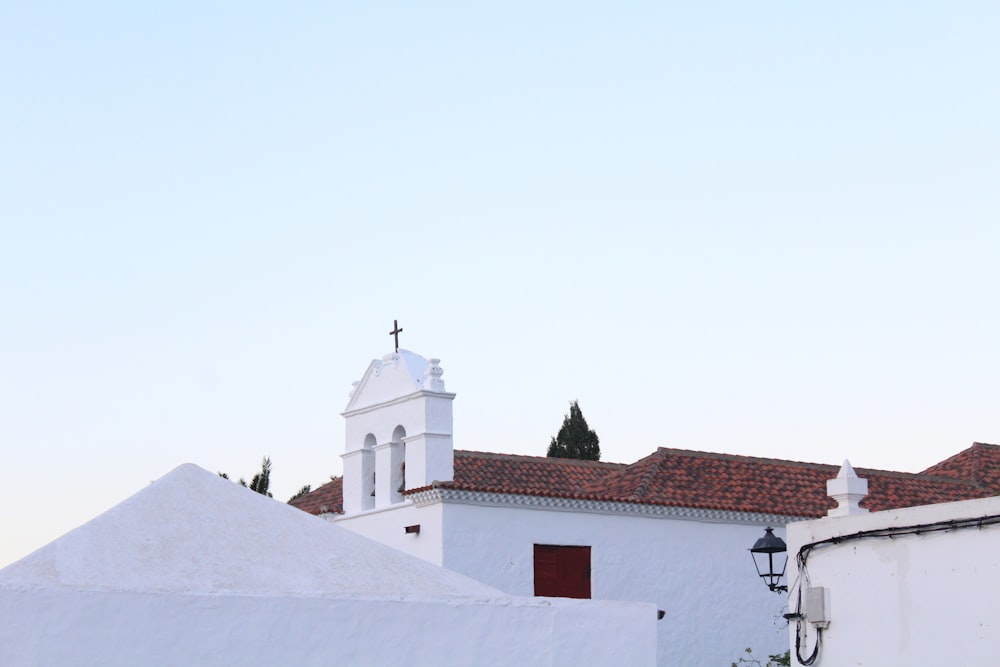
<point x="766" y="228"/>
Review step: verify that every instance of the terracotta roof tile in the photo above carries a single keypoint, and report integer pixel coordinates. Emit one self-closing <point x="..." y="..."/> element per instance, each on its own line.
<point x="329" y="496"/>
<point x="705" y="480"/>
<point x="980" y="463"/>
<point x="528" y="475"/>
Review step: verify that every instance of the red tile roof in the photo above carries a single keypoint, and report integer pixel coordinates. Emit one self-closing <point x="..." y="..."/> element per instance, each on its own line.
<point x="979" y="463"/>
<point x="327" y="498"/>
<point x="704" y="480"/>
<point x="529" y="475"/>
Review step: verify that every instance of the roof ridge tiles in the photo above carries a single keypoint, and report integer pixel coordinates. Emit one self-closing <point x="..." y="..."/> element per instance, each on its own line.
<point x="979" y="463"/>
<point x="548" y="459"/>
<point x="653" y="469"/>
<point x="743" y="457"/>
<point x="797" y="464"/>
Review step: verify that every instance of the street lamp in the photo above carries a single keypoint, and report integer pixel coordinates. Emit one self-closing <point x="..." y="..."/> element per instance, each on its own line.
<point x="765" y="552"/>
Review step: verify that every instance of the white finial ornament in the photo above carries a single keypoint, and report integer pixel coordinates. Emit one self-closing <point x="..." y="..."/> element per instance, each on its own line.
<point x="847" y="489"/>
<point x="432" y="376"/>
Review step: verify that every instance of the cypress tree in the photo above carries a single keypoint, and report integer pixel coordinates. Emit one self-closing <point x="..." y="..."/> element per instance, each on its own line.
<point x="575" y="439"/>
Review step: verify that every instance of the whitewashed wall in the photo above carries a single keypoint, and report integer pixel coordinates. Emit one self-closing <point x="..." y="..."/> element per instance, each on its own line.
<point x="926" y="599"/>
<point x="84" y="629"/>
<point x="699" y="573"/>
<point x="386" y="526"/>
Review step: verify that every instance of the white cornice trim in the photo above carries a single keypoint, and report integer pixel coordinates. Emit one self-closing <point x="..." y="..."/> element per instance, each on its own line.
<point x="395" y="401"/>
<point x="488" y="499"/>
<point x="355" y="452"/>
<point x="368" y="512"/>
<point x="426" y="436"/>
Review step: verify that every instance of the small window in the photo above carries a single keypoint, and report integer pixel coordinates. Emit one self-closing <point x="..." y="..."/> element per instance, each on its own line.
<point x="562" y="572"/>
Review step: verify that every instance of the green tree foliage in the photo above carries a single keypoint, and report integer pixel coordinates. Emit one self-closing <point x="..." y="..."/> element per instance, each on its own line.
<point x="575" y="439"/>
<point x="301" y="492"/>
<point x="776" y="660"/>
<point x="261" y="482"/>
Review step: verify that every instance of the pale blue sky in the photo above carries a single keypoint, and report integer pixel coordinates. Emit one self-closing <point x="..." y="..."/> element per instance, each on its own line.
<point x="765" y="228"/>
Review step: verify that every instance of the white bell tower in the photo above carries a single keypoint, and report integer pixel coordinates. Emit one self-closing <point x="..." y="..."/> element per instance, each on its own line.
<point x="398" y="431"/>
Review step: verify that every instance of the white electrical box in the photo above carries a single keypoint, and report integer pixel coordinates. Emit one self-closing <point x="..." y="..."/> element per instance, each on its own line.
<point x="817" y="612"/>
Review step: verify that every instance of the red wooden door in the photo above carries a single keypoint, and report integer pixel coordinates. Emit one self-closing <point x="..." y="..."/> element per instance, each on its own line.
<point x="562" y="572"/>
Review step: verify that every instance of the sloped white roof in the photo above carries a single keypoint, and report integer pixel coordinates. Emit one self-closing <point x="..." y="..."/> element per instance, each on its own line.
<point x="194" y="532"/>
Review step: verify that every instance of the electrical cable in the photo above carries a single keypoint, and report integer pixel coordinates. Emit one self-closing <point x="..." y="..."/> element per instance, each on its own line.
<point x="803" y="555"/>
<point x="916" y="529"/>
<point x="801" y="628"/>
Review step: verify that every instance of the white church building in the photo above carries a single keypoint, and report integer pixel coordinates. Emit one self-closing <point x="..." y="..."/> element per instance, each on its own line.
<point x="672" y="529"/>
